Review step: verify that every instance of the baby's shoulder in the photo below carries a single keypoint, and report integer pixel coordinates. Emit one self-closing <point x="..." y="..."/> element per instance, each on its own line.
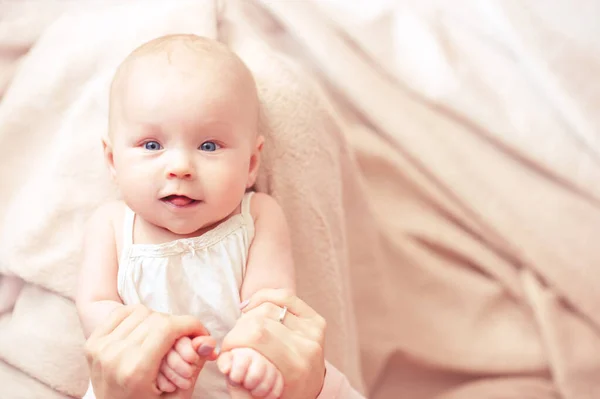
<point x="109" y="213"/>
<point x="263" y="203"/>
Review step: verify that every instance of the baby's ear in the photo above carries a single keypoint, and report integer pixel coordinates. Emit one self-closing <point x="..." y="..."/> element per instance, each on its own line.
<point x="108" y="155"/>
<point x="255" y="161"/>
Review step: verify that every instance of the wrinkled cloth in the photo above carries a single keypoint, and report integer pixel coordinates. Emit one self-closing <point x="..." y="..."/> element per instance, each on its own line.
<point x="53" y="116"/>
<point x="449" y="153"/>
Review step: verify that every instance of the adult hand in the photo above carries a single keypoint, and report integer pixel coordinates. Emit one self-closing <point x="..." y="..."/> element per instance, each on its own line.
<point x="125" y="353"/>
<point x="294" y="345"/>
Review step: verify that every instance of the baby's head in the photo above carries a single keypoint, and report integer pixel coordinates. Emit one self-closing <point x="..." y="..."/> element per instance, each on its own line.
<point x="183" y="144"/>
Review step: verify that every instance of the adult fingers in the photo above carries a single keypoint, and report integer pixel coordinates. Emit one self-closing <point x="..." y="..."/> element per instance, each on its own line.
<point x="204" y="346"/>
<point x="114" y="319"/>
<point x="270" y="338"/>
<point x="131" y="322"/>
<point x="187" y="326"/>
<point x="160" y="331"/>
<point x="281" y="298"/>
<point x="292" y="353"/>
<point x="311" y="328"/>
<point x="101" y="339"/>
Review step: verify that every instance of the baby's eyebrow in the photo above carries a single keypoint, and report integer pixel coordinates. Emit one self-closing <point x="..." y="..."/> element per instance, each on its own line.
<point x="216" y="124"/>
<point x="143" y="128"/>
<point x="216" y="127"/>
<point x="151" y="128"/>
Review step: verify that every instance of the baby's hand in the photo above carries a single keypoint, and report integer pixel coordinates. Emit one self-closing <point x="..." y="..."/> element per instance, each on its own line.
<point x="248" y="368"/>
<point x="179" y="366"/>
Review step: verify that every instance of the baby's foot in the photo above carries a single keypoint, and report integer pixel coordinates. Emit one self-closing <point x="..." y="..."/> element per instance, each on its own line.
<point x="180" y="364"/>
<point x="247" y="368"/>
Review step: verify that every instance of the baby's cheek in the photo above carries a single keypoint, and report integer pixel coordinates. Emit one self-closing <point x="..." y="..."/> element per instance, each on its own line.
<point x="226" y="190"/>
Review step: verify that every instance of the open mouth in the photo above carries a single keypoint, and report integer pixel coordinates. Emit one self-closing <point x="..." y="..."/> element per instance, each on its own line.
<point x="179" y="201"/>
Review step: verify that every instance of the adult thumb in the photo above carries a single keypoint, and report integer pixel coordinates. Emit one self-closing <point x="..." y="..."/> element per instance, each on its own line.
<point x="205" y="347"/>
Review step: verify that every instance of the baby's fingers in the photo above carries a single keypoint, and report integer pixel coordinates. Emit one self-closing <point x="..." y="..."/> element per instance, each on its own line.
<point x="242" y="357"/>
<point x="224" y="362"/>
<point x="184" y="348"/>
<point x="277" y="390"/>
<point x="265" y="387"/>
<point x="179" y="381"/>
<point x="164" y="384"/>
<point x="179" y="365"/>
<point x="256" y="371"/>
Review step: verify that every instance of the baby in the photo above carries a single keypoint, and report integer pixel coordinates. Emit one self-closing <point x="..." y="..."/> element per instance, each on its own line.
<point x="189" y="236"/>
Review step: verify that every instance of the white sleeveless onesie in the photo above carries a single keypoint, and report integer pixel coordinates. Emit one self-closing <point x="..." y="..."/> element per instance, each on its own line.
<point x="198" y="276"/>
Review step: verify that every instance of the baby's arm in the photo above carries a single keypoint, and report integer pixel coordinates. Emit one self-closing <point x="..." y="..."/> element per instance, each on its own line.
<point x="97" y="293"/>
<point x="270" y="262"/>
<point x="270" y="265"/>
<point x="97" y="297"/>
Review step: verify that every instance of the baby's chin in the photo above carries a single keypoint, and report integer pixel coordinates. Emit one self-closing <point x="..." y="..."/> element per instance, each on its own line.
<point x="191" y="229"/>
<point x="186" y="231"/>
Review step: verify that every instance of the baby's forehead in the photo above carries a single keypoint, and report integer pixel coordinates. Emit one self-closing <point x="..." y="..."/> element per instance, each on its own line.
<point x="183" y="66"/>
<point x="187" y="54"/>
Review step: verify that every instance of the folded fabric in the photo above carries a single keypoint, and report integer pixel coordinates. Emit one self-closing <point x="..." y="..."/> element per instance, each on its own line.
<point x="52" y="118"/>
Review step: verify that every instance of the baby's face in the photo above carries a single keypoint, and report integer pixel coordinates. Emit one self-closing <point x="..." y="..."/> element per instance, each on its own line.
<point x="185" y="146"/>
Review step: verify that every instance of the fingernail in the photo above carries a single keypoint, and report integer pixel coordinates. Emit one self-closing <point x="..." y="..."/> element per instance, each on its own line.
<point x="233" y="383"/>
<point x="224" y="363"/>
<point x="244" y="304"/>
<point x="205" y="349"/>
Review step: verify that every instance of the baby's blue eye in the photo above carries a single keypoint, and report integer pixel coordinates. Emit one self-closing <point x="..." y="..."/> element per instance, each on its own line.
<point x="209" y="146"/>
<point x="152" y="145"/>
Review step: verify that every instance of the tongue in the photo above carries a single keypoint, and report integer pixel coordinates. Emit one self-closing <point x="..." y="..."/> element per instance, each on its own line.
<point x="179" y="200"/>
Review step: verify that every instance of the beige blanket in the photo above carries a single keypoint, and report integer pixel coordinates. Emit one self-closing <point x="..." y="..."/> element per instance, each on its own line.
<point x="463" y="244"/>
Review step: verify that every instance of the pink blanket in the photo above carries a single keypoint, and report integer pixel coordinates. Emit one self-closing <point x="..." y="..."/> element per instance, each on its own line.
<point x="439" y="163"/>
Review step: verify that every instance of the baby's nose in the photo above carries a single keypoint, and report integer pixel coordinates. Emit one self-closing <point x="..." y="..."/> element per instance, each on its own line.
<point x="180" y="168"/>
<point x="180" y="174"/>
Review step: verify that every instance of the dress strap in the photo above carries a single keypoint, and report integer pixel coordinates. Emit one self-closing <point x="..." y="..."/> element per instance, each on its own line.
<point x="249" y="222"/>
<point x="246" y="204"/>
<point x="128" y="221"/>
